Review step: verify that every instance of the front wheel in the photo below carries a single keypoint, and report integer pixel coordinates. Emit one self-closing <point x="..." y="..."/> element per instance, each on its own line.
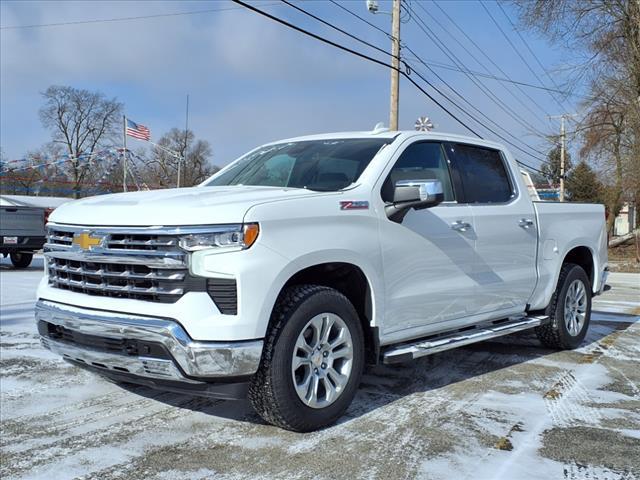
<point x="569" y="310"/>
<point x="312" y="361"/>
<point x="21" y="259"/>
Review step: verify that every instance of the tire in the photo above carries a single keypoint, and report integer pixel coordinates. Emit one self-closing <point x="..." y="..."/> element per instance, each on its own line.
<point x="562" y="332"/>
<point x="294" y="330"/>
<point x="21" y="259"/>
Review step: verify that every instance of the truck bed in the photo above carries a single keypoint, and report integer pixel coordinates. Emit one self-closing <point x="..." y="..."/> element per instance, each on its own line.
<point x="563" y="226"/>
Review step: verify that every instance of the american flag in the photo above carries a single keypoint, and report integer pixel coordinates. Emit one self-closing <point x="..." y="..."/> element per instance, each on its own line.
<point x="138" y="131"/>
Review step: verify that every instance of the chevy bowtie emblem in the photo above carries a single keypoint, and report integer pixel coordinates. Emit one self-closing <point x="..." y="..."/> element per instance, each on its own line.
<point x="87" y="241"/>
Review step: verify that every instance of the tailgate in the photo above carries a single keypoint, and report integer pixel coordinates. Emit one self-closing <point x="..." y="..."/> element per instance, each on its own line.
<point x="21" y="222"/>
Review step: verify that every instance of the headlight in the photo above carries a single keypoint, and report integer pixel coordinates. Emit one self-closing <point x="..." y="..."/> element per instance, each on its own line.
<point x="236" y="237"/>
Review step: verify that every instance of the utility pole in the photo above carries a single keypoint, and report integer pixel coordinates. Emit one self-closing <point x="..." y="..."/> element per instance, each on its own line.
<point x="563" y="149"/>
<point x="395" y="65"/>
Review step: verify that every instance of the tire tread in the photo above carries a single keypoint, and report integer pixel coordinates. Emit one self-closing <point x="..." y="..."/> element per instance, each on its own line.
<point x="549" y="334"/>
<point x="261" y="392"/>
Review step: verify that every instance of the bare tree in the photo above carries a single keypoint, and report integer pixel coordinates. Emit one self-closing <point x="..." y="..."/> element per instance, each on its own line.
<point x="162" y="166"/>
<point x="607" y="34"/>
<point x="82" y="122"/>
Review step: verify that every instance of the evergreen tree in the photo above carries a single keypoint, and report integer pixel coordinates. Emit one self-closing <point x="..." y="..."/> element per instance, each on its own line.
<point x="551" y="168"/>
<point x="582" y="185"/>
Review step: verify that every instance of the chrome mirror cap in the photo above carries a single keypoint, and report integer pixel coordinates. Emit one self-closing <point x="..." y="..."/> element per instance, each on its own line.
<point x="423" y="191"/>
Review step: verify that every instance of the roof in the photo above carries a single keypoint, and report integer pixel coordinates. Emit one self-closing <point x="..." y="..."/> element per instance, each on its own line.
<point x="399" y="133"/>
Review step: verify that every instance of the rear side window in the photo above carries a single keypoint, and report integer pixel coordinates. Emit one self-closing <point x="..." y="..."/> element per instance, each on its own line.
<point x="483" y="174"/>
<point x="420" y="161"/>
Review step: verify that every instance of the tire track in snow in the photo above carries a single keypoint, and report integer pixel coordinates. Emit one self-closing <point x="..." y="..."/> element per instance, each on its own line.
<point x="565" y="401"/>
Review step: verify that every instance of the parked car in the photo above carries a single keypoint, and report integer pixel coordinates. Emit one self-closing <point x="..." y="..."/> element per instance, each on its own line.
<point x="22" y="226"/>
<point x="292" y="268"/>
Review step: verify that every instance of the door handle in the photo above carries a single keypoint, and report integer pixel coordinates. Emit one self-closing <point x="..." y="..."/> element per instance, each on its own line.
<point x="525" y="223"/>
<point x="460" y="226"/>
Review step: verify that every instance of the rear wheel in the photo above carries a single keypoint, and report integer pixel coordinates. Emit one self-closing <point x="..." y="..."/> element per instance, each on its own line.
<point x="312" y="361"/>
<point x="569" y="310"/>
<point x="21" y="259"/>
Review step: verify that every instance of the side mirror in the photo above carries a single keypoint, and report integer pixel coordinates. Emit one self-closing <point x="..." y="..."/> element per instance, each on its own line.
<point x="416" y="194"/>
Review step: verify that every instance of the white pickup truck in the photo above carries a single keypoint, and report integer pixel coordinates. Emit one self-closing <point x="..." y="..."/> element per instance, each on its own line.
<point x="288" y="271"/>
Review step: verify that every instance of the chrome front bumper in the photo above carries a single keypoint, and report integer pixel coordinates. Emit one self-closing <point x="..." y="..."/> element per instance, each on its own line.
<point x="193" y="361"/>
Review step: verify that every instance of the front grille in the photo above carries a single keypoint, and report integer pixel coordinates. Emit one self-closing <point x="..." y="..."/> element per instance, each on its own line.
<point x="117" y="280"/>
<point x="135" y="265"/>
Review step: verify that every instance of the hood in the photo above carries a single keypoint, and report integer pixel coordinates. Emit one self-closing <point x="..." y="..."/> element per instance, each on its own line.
<point x="177" y="206"/>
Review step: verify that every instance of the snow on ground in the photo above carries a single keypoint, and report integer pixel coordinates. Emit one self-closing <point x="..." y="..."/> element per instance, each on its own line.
<point x="505" y="409"/>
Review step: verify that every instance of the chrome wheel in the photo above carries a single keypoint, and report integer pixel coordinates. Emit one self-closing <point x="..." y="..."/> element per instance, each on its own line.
<point x="575" y="307"/>
<point x="322" y="360"/>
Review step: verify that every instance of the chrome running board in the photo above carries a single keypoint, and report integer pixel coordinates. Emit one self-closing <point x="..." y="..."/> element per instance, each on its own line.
<point x="447" y="341"/>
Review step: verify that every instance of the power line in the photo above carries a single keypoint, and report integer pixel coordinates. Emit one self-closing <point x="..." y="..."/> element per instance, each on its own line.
<point x="405" y="74"/>
<point x="330" y="25"/>
<point x="526" y="44"/>
<point x="486" y="69"/>
<point x="452" y="67"/>
<point x="522" y="164"/>
<point x="474" y="108"/>
<point x="487" y="91"/>
<point x="485" y="55"/>
<point x="124" y="19"/>
<point x="515" y="49"/>
<point x="360" y="18"/>
<point x="475" y="73"/>
<point x="359" y="54"/>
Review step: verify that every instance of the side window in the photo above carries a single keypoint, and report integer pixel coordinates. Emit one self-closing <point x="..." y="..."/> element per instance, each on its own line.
<point x="420" y="161"/>
<point x="483" y="174"/>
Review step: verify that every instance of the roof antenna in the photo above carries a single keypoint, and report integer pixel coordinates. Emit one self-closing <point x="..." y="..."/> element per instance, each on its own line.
<point x="379" y="128"/>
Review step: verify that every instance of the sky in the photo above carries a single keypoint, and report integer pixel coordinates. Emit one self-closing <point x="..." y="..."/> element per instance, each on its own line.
<point x="252" y="81"/>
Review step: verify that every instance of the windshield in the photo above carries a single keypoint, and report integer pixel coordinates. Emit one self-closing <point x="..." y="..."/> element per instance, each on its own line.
<point x="325" y="165"/>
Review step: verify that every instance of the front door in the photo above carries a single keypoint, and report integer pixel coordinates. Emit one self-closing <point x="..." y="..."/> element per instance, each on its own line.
<point x="429" y="258"/>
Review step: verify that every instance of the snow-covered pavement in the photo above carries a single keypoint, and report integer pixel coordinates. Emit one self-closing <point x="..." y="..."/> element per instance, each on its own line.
<point x="505" y="409"/>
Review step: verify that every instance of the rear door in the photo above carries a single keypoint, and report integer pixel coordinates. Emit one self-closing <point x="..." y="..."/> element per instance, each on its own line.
<point x="505" y="228"/>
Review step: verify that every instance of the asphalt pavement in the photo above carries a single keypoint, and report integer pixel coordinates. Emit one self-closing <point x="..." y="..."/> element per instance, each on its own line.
<point x="503" y="409"/>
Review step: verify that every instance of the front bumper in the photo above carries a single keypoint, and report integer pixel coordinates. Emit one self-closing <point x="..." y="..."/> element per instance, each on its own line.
<point x="129" y="345"/>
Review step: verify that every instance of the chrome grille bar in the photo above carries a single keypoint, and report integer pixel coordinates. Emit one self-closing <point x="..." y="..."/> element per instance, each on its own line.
<point x="145" y="243"/>
<point x="126" y="274"/>
<point x="112" y="288"/>
<point x="120" y="257"/>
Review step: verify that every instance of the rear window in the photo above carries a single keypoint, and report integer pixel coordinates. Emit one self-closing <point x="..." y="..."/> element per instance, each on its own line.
<point x="484" y="176"/>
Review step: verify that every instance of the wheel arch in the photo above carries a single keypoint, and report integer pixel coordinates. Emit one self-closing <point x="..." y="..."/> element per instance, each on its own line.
<point x="352" y="281"/>
<point x="585" y="258"/>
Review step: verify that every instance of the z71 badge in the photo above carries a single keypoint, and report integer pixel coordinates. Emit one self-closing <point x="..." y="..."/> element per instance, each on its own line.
<point x="354" y="205"/>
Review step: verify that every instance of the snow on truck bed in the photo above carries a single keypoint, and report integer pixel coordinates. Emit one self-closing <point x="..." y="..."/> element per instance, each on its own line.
<point x="505" y="409"/>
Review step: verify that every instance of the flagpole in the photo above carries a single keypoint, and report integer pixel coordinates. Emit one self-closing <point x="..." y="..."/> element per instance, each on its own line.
<point x="124" y="153"/>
